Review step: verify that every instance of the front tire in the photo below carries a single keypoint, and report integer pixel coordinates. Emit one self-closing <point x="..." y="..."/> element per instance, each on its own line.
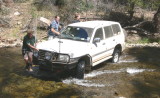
<point x="80" y="69"/>
<point x="116" y="55"/>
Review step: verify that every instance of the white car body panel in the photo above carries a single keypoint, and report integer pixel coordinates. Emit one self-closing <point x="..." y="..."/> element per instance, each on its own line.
<point x="73" y="48"/>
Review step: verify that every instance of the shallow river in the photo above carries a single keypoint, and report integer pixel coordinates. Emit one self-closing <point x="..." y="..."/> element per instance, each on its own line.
<point x="137" y="75"/>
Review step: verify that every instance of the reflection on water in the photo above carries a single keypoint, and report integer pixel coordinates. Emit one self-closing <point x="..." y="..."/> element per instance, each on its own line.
<point x="85" y="83"/>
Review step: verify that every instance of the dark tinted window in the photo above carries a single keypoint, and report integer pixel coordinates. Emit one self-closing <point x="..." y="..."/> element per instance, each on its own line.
<point x="108" y="31"/>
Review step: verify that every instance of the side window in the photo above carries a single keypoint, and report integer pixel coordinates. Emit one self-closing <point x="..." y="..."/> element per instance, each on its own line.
<point x="99" y="33"/>
<point x="116" y="28"/>
<point x="108" y="31"/>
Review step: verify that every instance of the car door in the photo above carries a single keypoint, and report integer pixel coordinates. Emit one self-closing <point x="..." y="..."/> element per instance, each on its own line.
<point x="98" y="46"/>
<point x="109" y="39"/>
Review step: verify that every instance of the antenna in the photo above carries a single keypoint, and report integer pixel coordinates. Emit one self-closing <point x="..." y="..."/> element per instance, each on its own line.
<point x="59" y="43"/>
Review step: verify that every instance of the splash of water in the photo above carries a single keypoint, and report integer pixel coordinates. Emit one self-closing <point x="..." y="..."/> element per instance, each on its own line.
<point x="86" y="83"/>
<point x="127" y="61"/>
<point x="135" y="70"/>
<point x="96" y="73"/>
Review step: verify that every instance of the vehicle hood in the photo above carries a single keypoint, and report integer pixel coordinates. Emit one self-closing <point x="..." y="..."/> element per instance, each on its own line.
<point x="65" y="46"/>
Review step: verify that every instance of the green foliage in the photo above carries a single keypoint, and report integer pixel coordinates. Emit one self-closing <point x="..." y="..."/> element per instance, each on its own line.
<point x="33" y="12"/>
<point x="144" y="40"/>
<point x="149" y="40"/>
<point x="71" y="7"/>
<point x="149" y="4"/>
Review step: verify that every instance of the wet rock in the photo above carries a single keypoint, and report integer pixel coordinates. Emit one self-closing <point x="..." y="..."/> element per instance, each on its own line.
<point x="155" y="43"/>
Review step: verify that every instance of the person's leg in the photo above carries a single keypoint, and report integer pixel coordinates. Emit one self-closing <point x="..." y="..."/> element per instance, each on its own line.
<point x="30" y="58"/>
<point x="26" y="61"/>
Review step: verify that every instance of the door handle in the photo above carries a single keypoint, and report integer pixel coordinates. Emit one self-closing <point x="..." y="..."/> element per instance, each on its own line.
<point x="113" y="39"/>
<point x="103" y="43"/>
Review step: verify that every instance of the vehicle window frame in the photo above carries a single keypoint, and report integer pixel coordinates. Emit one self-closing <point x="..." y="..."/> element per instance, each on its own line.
<point x="110" y="30"/>
<point x="117" y="31"/>
<point x="96" y="31"/>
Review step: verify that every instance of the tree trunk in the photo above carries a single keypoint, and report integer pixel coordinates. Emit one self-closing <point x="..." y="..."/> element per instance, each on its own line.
<point x="156" y="21"/>
<point x="131" y="11"/>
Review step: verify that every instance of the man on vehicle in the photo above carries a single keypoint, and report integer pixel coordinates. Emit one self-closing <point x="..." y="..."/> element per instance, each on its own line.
<point x="54" y="28"/>
<point x="29" y="42"/>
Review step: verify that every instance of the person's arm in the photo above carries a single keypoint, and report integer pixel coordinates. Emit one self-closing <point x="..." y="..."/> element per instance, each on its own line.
<point x="33" y="47"/>
<point x="53" y="30"/>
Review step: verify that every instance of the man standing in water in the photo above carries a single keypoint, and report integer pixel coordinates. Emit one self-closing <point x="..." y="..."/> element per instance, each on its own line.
<point x="29" y="42"/>
<point x="54" y="28"/>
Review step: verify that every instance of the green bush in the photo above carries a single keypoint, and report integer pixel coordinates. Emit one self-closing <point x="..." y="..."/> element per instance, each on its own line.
<point x="149" y="40"/>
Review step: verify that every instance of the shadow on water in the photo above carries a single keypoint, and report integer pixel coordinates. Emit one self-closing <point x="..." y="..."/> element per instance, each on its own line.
<point x="63" y="94"/>
<point x="10" y="62"/>
<point x="148" y="55"/>
<point x="148" y="87"/>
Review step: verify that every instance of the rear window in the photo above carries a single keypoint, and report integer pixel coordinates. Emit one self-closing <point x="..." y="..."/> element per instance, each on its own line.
<point x="116" y="28"/>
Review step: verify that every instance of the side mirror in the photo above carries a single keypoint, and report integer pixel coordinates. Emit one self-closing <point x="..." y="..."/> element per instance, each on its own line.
<point x="96" y="40"/>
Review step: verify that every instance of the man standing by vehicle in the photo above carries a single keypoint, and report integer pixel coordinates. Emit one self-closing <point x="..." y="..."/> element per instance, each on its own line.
<point x="27" y="49"/>
<point x="54" y="28"/>
<point x="76" y="18"/>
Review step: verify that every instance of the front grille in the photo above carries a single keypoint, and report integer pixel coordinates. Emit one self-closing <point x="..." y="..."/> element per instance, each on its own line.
<point x="54" y="56"/>
<point x="41" y="54"/>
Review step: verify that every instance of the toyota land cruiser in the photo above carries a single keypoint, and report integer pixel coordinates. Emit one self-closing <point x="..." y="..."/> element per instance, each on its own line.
<point x="81" y="46"/>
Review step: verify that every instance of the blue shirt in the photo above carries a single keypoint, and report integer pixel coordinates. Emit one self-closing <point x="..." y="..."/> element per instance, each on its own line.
<point x="55" y="26"/>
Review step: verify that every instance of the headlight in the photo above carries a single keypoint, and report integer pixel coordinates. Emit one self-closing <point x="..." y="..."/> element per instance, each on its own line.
<point x="74" y="60"/>
<point x="48" y="55"/>
<point x="63" y="58"/>
<point x="35" y="53"/>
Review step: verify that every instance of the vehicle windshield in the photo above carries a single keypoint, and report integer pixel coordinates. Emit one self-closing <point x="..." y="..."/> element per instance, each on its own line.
<point x="77" y="33"/>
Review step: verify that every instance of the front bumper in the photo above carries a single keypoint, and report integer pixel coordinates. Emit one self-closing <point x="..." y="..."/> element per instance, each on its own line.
<point x="56" y="66"/>
<point x="55" y="62"/>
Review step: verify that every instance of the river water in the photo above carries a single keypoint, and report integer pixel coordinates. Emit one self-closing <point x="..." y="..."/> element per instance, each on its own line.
<point x="137" y="75"/>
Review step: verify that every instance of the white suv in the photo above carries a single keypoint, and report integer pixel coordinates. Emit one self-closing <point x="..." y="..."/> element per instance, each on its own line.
<point x="81" y="46"/>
